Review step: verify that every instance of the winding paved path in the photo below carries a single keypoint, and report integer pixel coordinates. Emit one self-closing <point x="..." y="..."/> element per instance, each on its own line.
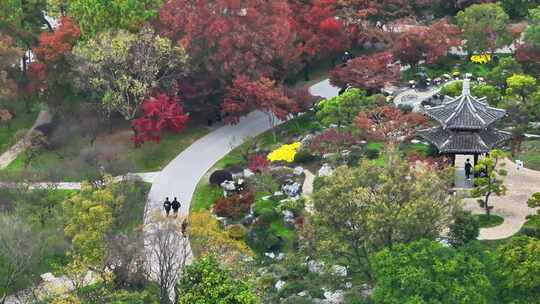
<point x="512" y="207"/>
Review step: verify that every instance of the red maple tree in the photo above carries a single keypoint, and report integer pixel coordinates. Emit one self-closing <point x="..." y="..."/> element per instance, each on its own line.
<point x="388" y="124"/>
<point x="229" y="37"/>
<point x="332" y="141"/>
<point x="53" y="46"/>
<point x="160" y="112"/>
<point x="426" y="43"/>
<point x="320" y="33"/>
<point x="529" y="57"/>
<point x="246" y="95"/>
<point x="368" y="72"/>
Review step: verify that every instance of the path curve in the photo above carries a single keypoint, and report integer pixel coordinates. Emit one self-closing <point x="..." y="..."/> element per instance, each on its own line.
<point x="44" y="117"/>
<point x="512" y="207"/>
<point x="181" y="176"/>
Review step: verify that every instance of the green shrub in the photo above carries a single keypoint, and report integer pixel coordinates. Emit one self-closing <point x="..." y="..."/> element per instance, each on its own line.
<point x="295" y="206"/>
<point x="452" y="89"/>
<point x="237" y="231"/>
<point x="372" y="153"/>
<point x="303" y="156"/>
<point x="318" y="183"/>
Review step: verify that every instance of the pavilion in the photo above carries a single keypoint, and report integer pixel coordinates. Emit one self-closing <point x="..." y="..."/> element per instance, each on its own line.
<point x="466" y="126"/>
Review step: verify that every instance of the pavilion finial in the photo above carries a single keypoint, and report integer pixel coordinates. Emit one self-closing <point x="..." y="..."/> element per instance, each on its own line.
<point x="466" y="87"/>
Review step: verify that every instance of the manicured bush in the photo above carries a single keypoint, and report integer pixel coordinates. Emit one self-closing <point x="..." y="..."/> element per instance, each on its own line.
<point x="303" y="156"/>
<point x="237" y="231"/>
<point x="263" y="238"/>
<point x="234" y="206"/>
<point x="464" y="229"/>
<point x="372" y="153"/>
<point x="220" y="176"/>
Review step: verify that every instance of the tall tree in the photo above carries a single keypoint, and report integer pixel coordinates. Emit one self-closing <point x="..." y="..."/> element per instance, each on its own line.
<point x="9" y="56"/>
<point x="518" y="8"/>
<point x="506" y="67"/>
<point x="532" y="32"/>
<point x="522" y="102"/>
<point x="428" y="272"/>
<point x="206" y="282"/>
<point x="52" y="53"/>
<point x="229" y="38"/>
<point x="161" y="112"/>
<point x="484" y="27"/>
<point x="20" y="250"/>
<point x="368" y="72"/>
<point x="342" y="109"/>
<point x="518" y="270"/>
<point x="88" y="218"/>
<point x="320" y="33"/>
<point x="361" y="210"/>
<point x="95" y="16"/>
<point x="488" y="182"/>
<point x="427" y="44"/>
<point x="245" y="95"/>
<point x="388" y="124"/>
<point x="121" y="69"/>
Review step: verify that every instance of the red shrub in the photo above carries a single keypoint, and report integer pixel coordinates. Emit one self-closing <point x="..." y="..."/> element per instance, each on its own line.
<point x="258" y="163"/>
<point x="331" y="141"/>
<point x="234" y="206"/>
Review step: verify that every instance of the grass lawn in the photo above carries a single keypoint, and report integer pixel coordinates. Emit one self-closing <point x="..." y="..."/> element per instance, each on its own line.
<point x="22" y="121"/>
<point x="530" y="154"/>
<point x="74" y="160"/>
<point x="488" y="221"/>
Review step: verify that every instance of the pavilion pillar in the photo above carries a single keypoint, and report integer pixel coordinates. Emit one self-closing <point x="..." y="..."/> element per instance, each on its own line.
<point x="475" y="160"/>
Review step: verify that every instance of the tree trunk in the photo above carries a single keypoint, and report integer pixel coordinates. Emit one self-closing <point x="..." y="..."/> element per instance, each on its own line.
<point x="486" y="204"/>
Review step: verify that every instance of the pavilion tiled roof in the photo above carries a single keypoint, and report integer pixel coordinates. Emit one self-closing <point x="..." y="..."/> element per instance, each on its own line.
<point x="465" y="112"/>
<point x="475" y="142"/>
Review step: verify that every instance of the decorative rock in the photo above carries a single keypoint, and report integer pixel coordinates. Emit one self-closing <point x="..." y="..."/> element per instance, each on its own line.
<point x="291" y="189"/>
<point x="279" y="285"/>
<point x="223" y="220"/>
<point x="266" y="198"/>
<point x="339" y="270"/>
<point x="248" y="219"/>
<point x="280" y="256"/>
<point x="288" y="217"/>
<point x="315" y="266"/>
<point x="307" y="140"/>
<point x="228" y="186"/>
<point x="270" y="255"/>
<point x="348" y="285"/>
<point x="345" y="153"/>
<point x="328" y="155"/>
<point x="48" y="277"/>
<point x="334" y="297"/>
<point x="278" y="193"/>
<point x="302" y="293"/>
<point x="298" y="171"/>
<point x="325" y="170"/>
<point x="248" y="173"/>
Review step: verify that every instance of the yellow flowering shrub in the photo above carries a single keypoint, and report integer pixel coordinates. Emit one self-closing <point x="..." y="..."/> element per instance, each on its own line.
<point x="481" y="59"/>
<point x="284" y="153"/>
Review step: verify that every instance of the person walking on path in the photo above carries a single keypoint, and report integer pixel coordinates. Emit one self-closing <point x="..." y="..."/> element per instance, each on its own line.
<point x="167" y="206"/>
<point x="175" y="206"/>
<point x="468" y="169"/>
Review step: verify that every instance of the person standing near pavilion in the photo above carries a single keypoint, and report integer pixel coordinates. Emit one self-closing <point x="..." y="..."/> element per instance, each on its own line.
<point x="167" y="206"/>
<point x="175" y="206"/>
<point x="468" y="169"/>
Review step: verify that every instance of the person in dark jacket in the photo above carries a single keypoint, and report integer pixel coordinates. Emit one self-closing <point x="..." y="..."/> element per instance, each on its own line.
<point x="468" y="169"/>
<point x="175" y="206"/>
<point x="167" y="206"/>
